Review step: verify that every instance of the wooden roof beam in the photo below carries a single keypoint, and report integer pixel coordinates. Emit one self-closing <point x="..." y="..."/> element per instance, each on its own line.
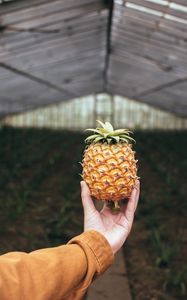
<point x="37" y="79"/>
<point x="160" y="87"/>
<point x="108" y="43"/>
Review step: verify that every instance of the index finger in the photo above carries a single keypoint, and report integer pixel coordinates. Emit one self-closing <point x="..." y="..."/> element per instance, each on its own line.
<point x="87" y="201"/>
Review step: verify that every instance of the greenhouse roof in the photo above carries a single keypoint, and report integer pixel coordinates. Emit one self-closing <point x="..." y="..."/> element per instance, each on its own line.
<point x="52" y="51"/>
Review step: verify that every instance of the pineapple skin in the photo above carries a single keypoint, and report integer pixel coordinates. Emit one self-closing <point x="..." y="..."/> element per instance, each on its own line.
<point x="110" y="170"/>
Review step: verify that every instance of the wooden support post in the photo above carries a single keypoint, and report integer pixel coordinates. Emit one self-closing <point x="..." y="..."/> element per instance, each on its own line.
<point x="112" y="112"/>
<point x="95" y="110"/>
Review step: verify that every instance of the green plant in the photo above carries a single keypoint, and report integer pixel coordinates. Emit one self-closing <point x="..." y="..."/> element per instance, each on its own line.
<point x="61" y="227"/>
<point x="152" y="221"/>
<point x="15" y="204"/>
<point x="164" y="251"/>
<point x="176" y="280"/>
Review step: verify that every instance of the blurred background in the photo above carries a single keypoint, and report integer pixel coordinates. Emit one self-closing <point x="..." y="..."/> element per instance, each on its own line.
<point x="65" y="64"/>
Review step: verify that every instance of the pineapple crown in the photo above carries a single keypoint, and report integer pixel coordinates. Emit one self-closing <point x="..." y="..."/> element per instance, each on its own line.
<point x="107" y="134"/>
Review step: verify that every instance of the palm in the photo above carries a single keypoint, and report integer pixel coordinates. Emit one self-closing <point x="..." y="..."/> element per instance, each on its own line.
<point x="114" y="226"/>
<point x="113" y="220"/>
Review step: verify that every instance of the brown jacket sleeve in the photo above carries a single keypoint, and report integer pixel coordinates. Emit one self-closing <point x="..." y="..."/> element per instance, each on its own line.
<point x="57" y="273"/>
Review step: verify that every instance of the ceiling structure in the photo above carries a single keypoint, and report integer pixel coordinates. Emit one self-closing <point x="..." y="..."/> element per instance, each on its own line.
<point x="52" y="51"/>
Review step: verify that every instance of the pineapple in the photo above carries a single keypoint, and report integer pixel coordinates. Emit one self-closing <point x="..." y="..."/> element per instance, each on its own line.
<point x="109" y="165"/>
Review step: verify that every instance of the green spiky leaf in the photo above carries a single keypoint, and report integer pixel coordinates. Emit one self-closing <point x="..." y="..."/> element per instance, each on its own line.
<point x="107" y="134"/>
<point x="94" y="130"/>
<point x="101" y="123"/>
<point x="116" y="138"/>
<point x="91" y="137"/>
<point x="109" y="127"/>
<point x="97" y="139"/>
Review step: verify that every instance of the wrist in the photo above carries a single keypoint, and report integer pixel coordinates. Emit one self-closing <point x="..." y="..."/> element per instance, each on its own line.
<point x="99" y="245"/>
<point x="111" y="242"/>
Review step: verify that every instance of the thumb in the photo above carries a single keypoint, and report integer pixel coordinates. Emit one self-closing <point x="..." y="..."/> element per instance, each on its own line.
<point x="87" y="202"/>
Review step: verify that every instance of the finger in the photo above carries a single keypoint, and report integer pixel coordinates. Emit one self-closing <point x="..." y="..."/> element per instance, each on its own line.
<point x="137" y="186"/>
<point x="135" y="194"/>
<point x="124" y="205"/>
<point x="132" y="203"/>
<point x="105" y="207"/>
<point x="87" y="202"/>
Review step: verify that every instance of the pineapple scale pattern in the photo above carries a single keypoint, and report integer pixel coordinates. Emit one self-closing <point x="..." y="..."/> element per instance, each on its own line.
<point x="110" y="170"/>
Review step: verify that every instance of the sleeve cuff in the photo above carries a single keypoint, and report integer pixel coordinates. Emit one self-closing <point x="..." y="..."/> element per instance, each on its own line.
<point x="99" y="246"/>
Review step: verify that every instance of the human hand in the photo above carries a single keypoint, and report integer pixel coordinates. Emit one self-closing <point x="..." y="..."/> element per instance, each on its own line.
<point x="114" y="227"/>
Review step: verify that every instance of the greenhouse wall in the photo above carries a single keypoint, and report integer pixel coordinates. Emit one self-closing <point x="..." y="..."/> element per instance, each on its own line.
<point x="81" y="113"/>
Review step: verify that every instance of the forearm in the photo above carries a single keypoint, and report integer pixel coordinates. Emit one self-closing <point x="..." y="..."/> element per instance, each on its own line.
<point x="42" y="274"/>
<point x="56" y="273"/>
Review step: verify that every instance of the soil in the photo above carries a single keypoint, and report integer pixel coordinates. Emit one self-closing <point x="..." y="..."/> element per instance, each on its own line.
<point x="52" y="212"/>
<point x="163" y="211"/>
<point x="40" y="203"/>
